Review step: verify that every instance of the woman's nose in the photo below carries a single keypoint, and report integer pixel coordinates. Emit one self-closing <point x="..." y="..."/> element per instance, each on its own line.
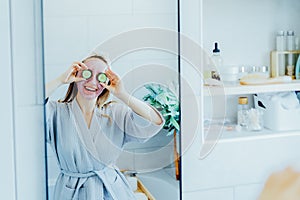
<point x="93" y="80"/>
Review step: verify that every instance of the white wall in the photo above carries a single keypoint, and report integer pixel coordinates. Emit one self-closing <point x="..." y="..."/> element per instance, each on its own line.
<point x="246" y="29"/>
<point x="22" y="125"/>
<point x="237" y="169"/>
<point x="7" y="170"/>
<point x="72" y="33"/>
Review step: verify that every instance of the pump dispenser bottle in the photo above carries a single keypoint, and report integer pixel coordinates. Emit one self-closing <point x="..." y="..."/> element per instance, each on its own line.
<point x="217" y="63"/>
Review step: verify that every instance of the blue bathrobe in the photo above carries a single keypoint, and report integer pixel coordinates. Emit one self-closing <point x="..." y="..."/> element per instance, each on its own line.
<point x="87" y="155"/>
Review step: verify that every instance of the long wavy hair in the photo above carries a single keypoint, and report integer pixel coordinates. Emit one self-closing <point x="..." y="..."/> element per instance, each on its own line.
<point x="73" y="90"/>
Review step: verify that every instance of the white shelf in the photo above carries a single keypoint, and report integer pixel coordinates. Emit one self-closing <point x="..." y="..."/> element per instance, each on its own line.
<point x="230" y="136"/>
<point x="236" y="89"/>
<point x="233" y="135"/>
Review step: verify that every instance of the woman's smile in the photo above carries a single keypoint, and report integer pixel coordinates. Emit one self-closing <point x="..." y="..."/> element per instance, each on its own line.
<point x="91" y="89"/>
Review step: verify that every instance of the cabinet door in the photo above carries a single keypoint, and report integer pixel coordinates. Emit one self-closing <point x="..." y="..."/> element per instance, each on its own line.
<point x="248" y="192"/>
<point x="224" y="194"/>
<point x="240" y="162"/>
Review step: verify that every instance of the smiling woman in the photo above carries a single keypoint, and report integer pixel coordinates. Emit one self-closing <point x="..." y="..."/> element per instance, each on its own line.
<point x="88" y="134"/>
<point x="96" y="128"/>
<point x="83" y="80"/>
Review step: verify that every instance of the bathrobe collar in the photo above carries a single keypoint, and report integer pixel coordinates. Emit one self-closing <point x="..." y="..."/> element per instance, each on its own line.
<point x="93" y="138"/>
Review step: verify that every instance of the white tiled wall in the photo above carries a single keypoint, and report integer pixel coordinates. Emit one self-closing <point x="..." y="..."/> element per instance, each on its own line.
<point x="30" y="141"/>
<point x="246" y="29"/>
<point x="6" y="106"/>
<point x="248" y="192"/>
<point x="22" y="102"/>
<point x="77" y="27"/>
<point x="243" y="192"/>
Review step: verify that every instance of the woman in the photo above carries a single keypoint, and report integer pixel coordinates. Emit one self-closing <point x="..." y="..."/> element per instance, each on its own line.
<point x="88" y="135"/>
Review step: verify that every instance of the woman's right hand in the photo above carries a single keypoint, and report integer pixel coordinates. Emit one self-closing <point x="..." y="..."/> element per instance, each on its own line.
<point x="67" y="77"/>
<point x="70" y="75"/>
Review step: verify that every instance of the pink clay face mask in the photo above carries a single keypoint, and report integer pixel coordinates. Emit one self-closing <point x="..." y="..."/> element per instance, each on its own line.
<point x="91" y="87"/>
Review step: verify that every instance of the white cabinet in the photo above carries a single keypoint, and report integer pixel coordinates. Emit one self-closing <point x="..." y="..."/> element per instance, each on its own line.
<point x="215" y="194"/>
<point x="246" y="157"/>
<point x="247" y="192"/>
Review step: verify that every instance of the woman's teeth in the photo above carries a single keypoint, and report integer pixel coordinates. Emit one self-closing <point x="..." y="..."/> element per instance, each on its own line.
<point x="90" y="89"/>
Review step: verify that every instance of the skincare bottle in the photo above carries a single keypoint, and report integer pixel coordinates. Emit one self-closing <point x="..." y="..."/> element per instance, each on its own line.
<point x="291" y="58"/>
<point x="280" y="46"/>
<point x="242" y="114"/>
<point x="217" y="63"/>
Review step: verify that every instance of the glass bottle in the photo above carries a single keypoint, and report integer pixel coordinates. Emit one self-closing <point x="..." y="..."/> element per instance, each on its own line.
<point x="281" y="46"/>
<point x="242" y="114"/>
<point x="217" y="63"/>
<point x="291" y="58"/>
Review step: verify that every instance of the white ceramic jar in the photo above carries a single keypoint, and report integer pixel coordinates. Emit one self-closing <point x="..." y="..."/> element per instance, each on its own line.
<point x="229" y="73"/>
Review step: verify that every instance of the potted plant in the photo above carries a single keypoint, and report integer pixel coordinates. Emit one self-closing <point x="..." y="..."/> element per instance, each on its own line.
<point x="166" y="102"/>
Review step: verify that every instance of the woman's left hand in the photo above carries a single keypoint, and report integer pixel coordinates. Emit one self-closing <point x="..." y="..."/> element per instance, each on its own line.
<point x="115" y="84"/>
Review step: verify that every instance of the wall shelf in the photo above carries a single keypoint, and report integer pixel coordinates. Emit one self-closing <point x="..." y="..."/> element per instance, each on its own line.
<point x="235" y="136"/>
<point x="236" y="89"/>
<point x="230" y="136"/>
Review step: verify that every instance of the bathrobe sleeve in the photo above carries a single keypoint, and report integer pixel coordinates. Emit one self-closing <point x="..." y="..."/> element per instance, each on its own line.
<point x="135" y="127"/>
<point x="51" y="112"/>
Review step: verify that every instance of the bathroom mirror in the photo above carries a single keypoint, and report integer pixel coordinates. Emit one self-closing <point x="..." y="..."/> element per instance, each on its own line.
<point x="134" y="35"/>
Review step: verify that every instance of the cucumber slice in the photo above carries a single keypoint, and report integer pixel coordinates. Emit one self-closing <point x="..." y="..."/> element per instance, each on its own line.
<point x="102" y="78"/>
<point x="86" y="73"/>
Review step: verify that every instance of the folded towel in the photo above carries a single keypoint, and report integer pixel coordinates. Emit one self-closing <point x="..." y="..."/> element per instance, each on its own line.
<point x="287" y="100"/>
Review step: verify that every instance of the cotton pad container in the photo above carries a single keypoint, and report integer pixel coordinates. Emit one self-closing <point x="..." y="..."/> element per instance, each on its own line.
<point x="229" y="73"/>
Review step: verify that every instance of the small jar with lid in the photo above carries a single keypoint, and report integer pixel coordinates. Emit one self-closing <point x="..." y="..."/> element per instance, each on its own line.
<point x="260" y="71"/>
<point x="242" y="114"/>
<point x="264" y="70"/>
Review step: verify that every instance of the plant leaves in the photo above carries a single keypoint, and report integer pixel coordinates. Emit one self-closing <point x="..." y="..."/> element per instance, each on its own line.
<point x="165" y="101"/>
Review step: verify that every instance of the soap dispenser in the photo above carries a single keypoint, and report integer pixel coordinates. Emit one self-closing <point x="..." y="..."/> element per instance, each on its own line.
<point x="217" y="62"/>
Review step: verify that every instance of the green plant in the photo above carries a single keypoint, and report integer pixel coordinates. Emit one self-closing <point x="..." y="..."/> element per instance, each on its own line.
<point x="164" y="100"/>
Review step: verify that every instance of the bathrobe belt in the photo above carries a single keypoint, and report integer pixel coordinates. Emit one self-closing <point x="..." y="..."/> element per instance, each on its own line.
<point x="104" y="175"/>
